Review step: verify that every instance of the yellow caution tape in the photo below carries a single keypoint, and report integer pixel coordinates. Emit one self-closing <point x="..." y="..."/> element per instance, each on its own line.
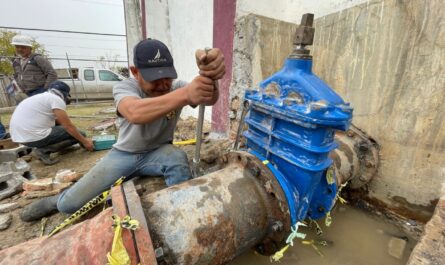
<point x="86" y="208"/>
<point x="118" y="254"/>
<point x="289" y="241"/>
<point x="186" y="142"/>
<point x="279" y="254"/>
<point x="318" y="229"/>
<point x="328" y="219"/>
<point x="338" y="197"/>
<point x="312" y="243"/>
<point x="43" y="225"/>
<point x="265" y="162"/>
<point x="330" y="176"/>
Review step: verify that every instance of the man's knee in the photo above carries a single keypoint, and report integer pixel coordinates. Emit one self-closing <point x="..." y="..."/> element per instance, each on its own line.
<point x="174" y="155"/>
<point x="68" y="206"/>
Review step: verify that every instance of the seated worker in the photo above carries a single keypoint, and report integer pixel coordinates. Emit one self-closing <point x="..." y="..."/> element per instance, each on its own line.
<point x="148" y="107"/>
<point x="33" y="123"/>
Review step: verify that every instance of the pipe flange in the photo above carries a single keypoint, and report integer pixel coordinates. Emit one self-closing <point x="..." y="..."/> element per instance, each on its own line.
<point x="277" y="208"/>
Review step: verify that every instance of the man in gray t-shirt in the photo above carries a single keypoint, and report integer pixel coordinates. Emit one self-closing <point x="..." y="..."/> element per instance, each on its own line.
<point x="148" y="107"/>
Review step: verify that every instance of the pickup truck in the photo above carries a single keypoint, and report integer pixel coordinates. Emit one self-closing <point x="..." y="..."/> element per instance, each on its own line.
<point x="89" y="83"/>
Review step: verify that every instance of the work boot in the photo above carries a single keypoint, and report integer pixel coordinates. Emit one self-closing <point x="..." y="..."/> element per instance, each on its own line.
<point x="38" y="209"/>
<point x="44" y="157"/>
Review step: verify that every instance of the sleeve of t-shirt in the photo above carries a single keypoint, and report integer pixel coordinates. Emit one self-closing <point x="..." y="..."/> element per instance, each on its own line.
<point x="124" y="89"/>
<point x="57" y="103"/>
<point x="178" y="84"/>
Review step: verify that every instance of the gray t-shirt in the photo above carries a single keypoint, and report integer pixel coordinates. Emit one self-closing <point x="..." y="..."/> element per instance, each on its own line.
<point x="139" y="138"/>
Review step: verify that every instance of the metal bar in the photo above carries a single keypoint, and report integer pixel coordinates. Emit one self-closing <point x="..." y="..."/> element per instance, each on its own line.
<point x="72" y="79"/>
<point x="244" y="110"/>
<point x="144" y="244"/>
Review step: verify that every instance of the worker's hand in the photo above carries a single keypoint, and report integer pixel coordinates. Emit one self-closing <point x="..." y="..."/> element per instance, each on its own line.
<point x="88" y="144"/>
<point x="200" y="91"/>
<point x="211" y="64"/>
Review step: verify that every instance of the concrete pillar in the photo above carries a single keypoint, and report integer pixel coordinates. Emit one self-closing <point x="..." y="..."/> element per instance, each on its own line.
<point x="223" y="32"/>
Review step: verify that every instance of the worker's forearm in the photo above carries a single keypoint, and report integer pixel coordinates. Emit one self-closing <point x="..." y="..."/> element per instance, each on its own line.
<point x="150" y="109"/>
<point x="72" y="130"/>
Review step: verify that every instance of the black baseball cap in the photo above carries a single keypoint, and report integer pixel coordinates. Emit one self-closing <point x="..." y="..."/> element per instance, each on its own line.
<point x="153" y="59"/>
<point x="62" y="87"/>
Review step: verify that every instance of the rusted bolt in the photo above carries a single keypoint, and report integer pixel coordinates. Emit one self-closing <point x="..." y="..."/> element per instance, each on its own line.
<point x="260" y="249"/>
<point x="255" y="171"/>
<point x="350" y="133"/>
<point x="277" y="226"/>
<point x="159" y="253"/>
<point x="140" y="189"/>
<point x="363" y="147"/>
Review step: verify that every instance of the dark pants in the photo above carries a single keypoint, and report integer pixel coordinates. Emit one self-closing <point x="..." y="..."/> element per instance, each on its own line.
<point x="57" y="140"/>
<point x="35" y="91"/>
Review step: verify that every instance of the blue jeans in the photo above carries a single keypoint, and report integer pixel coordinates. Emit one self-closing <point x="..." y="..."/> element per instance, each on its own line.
<point x="167" y="161"/>
<point x="57" y="140"/>
<point x="35" y="91"/>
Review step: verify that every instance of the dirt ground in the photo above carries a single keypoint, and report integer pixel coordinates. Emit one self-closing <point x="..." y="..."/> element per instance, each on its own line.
<point x="80" y="160"/>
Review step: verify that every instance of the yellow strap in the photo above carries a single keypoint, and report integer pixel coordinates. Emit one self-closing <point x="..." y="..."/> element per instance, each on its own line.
<point x="328" y="219"/>
<point x="279" y="254"/>
<point x="265" y="162"/>
<point x="312" y="243"/>
<point x="86" y="208"/>
<point x="118" y="254"/>
<point x="318" y="229"/>
<point x="186" y="142"/>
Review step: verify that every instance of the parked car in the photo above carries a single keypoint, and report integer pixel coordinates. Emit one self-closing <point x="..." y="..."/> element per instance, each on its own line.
<point x="90" y="83"/>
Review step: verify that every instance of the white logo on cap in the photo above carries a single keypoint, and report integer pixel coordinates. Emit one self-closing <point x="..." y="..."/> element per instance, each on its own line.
<point x="157" y="58"/>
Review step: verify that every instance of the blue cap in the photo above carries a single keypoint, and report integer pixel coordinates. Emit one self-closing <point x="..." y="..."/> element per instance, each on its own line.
<point x="153" y="59"/>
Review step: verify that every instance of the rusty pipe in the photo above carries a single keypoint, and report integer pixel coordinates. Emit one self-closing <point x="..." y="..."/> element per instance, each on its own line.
<point x="207" y="220"/>
<point x="212" y="219"/>
<point x="356" y="160"/>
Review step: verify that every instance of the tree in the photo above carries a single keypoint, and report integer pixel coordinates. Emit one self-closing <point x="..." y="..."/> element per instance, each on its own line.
<point x="7" y="51"/>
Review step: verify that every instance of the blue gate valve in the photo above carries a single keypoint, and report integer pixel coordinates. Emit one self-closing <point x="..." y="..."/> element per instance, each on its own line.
<point x="292" y="119"/>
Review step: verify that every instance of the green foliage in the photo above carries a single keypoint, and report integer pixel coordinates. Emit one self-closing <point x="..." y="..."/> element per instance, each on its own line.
<point x="7" y="51"/>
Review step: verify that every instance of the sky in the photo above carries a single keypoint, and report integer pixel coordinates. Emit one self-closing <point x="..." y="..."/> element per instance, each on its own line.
<point x="99" y="16"/>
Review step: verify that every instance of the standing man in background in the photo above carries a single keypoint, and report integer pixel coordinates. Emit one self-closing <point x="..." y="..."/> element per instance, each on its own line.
<point x="32" y="71"/>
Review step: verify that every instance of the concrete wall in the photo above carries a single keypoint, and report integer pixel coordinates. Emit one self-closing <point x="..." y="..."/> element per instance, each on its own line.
<point x="387" y="59"/>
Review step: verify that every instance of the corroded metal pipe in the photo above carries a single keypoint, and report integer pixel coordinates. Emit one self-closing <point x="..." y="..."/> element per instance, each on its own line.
<point x="207" y="220"/>
<point x="356" y="159"/>
<point x="212" y="219"/>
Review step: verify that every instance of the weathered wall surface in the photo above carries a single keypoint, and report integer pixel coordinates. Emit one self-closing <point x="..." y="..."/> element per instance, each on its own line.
<point x="387" y="59"/>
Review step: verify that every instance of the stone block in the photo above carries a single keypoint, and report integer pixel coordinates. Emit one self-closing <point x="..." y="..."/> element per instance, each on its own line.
<point x="38" y="184"/>
<point x="396" y="247"/>
<point x="5" y="221"/>
<point x="66" y="175"/>
<point x="7" y="207"/>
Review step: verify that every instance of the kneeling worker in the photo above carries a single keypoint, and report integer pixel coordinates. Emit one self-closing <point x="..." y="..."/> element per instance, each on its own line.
<point x="34" y="120"/>
<point x="148" y="107"/>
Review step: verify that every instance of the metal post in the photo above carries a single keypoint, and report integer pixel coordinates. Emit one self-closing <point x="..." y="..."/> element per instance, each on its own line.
<point x="72" y="79"/>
